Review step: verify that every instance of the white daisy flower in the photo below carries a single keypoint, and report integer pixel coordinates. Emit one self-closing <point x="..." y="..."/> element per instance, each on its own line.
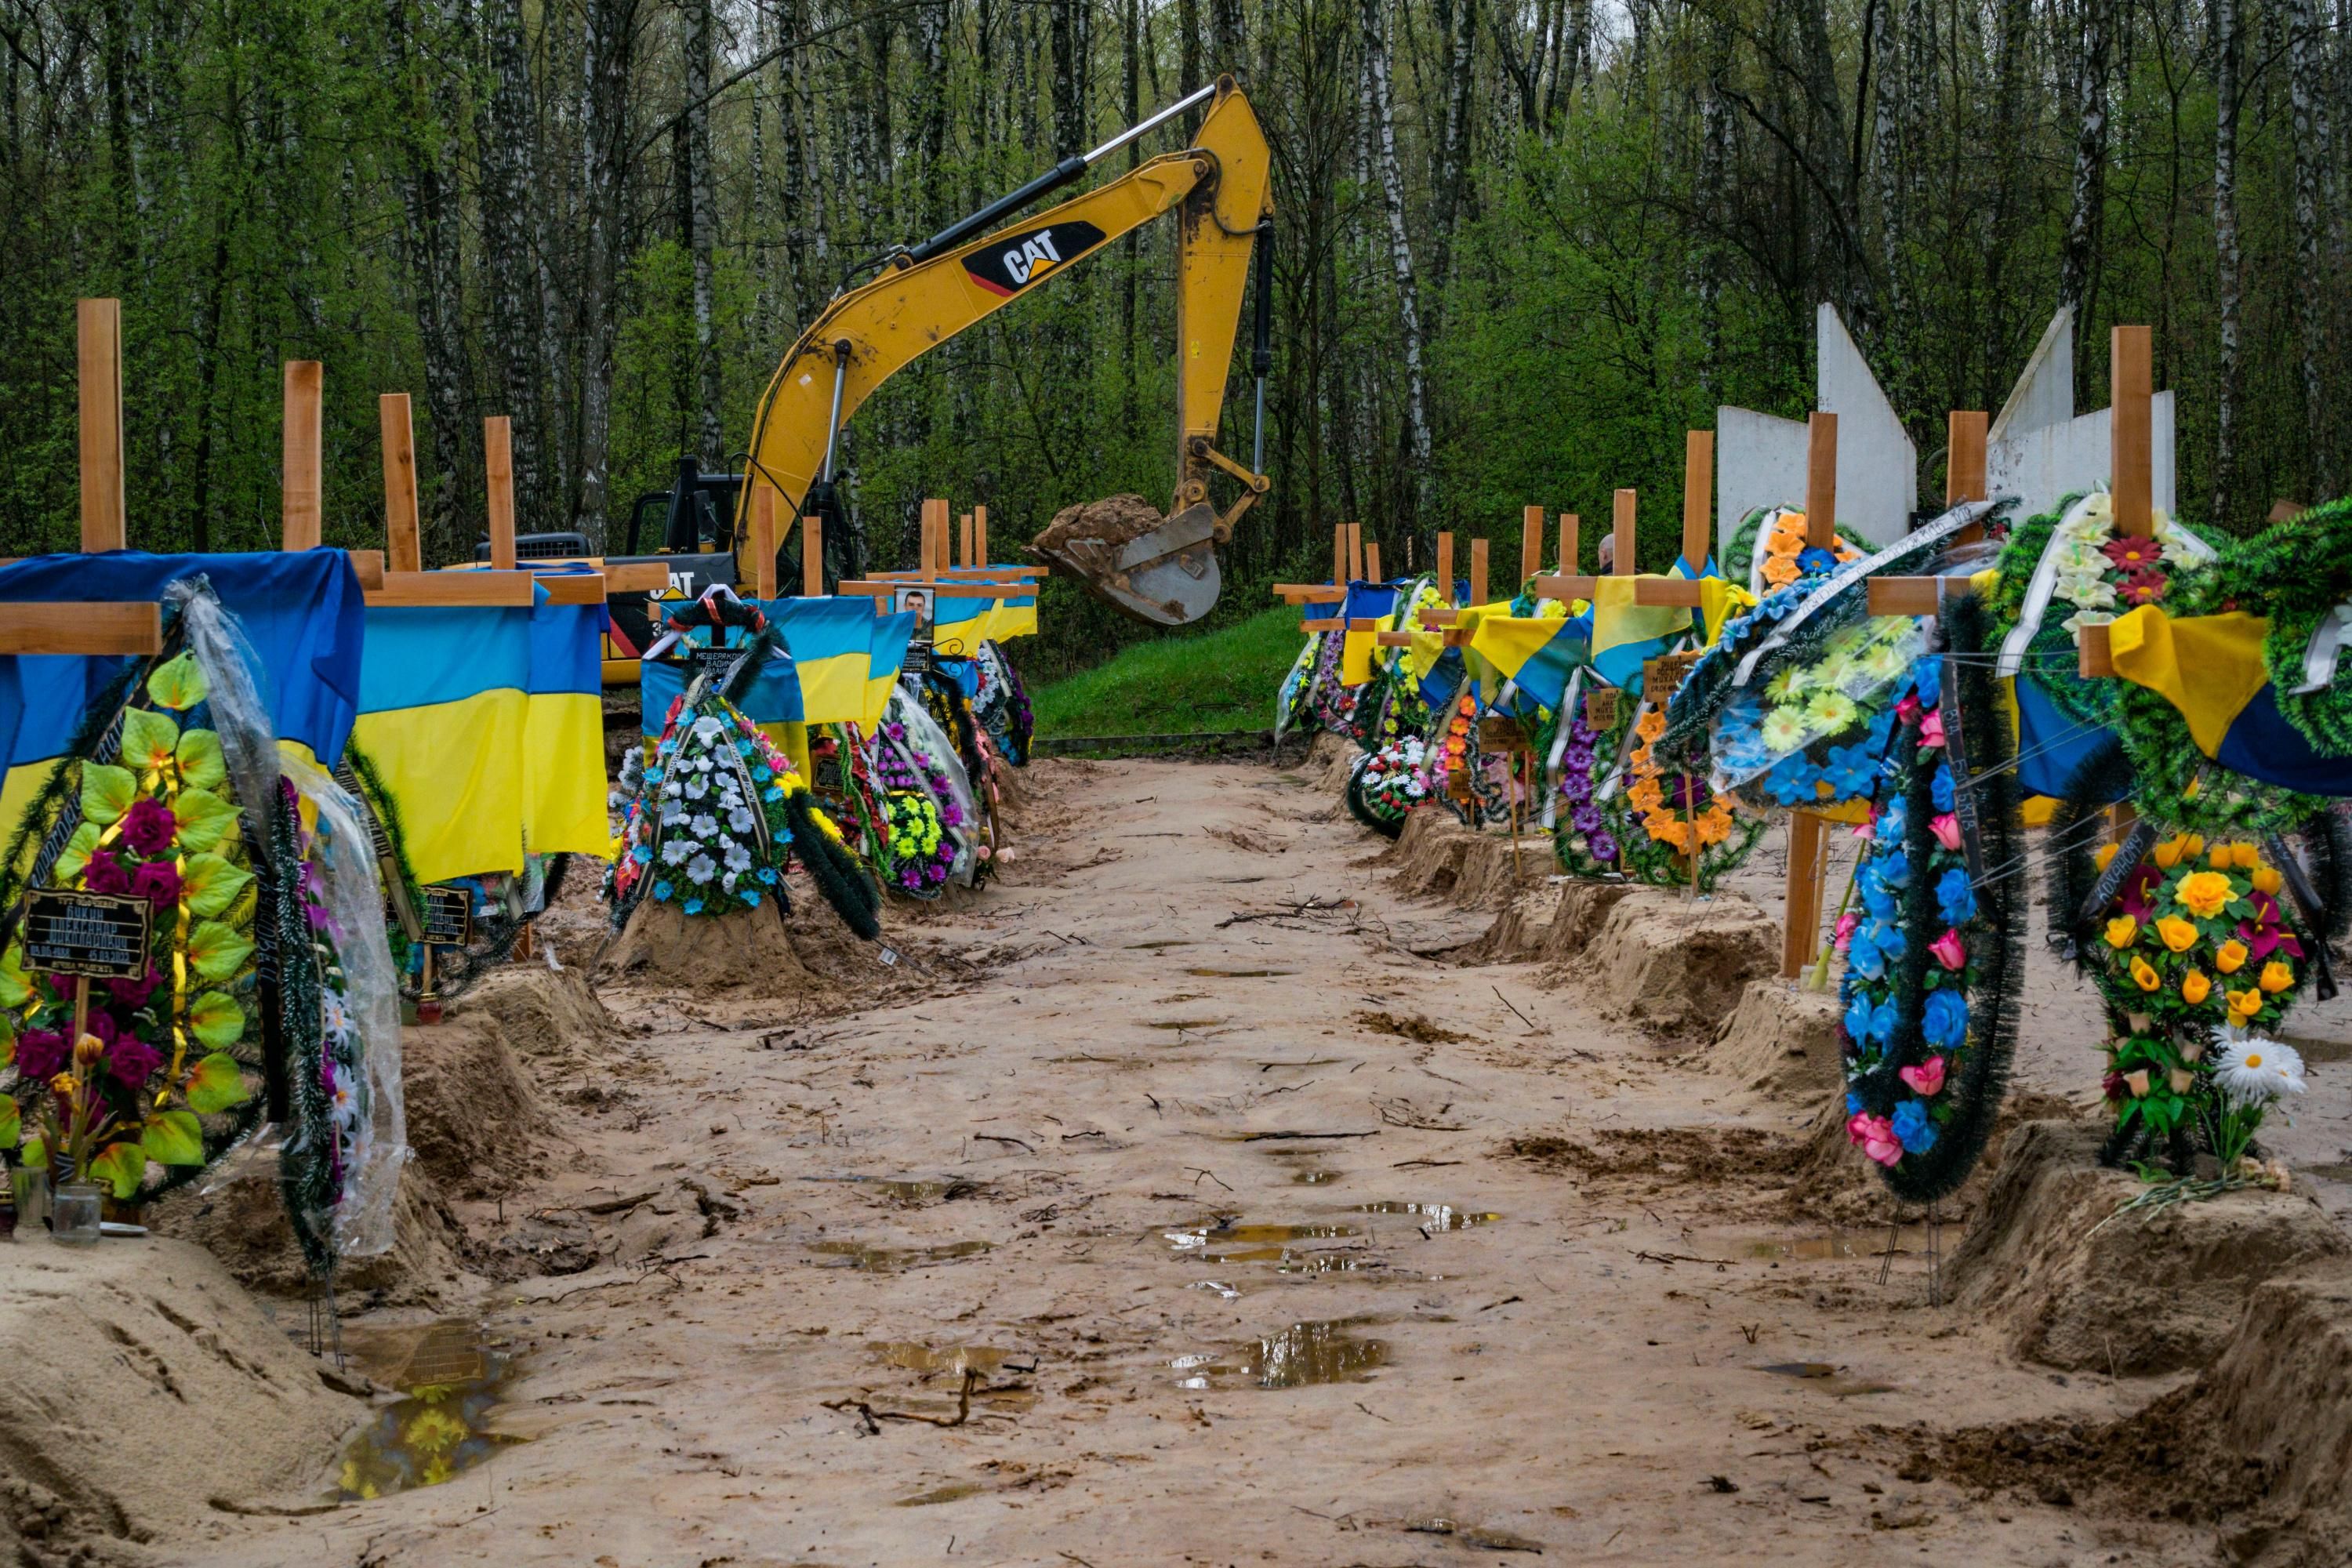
<point x="2255" y="1071"/>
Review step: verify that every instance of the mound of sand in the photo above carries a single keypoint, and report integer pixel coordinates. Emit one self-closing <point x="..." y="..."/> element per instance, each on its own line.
<point x="1673" y="966"/>
<point x="1780" y="1042"/>
<point x="746" y="953"/>
<point x="1438" y="857"/>
<point x="143" y="1384"/>
<point x="1547" y="923"/>
<point x="239" y="1217"/>
<point x="1332" y="762"/>
<point x="1831" y="1183"/>
<point x="2147" y="1292"/>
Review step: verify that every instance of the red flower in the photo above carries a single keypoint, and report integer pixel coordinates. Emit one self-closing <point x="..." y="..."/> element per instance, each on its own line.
<point x="2142" y="587"/>
<point x="2135" y="896"/>
<point x="104" y="874"/>
<point x="148" y="826"/>
<point x="2132" y="554"/>
<point x="132" y="1061"/>
<point x="158" y="882"/>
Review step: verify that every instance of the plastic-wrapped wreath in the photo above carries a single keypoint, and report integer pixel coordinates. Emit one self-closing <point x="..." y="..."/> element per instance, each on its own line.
<point x="1388" y="783"/>
<point x="1934" y="952"/>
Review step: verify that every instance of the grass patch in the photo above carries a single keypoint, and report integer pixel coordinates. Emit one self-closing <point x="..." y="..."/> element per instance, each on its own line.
<point x="1179" y="684"/>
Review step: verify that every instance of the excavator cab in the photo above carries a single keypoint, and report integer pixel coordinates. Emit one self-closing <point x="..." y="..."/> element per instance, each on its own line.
<point x="1160" y="568"/>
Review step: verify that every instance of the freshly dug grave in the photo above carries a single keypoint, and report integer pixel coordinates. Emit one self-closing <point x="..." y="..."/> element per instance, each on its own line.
<point x="1547" y="924"/>
<point x="1330" y="758"/>
<point x="475" y="1117"/>
<point x="746" y="954"/>
<point x="552" y="1016"/>
<point x="1439" y="856"/>
<point x="143" y="1384"/>
<point x="1834" y="1184"/>
<point x="2259" y="1446"/>
<point x="1781" y="1042"/>
<point x="1671" y="966"/>
<point x="2153" y="1291"/>
<point x="238" y="1216"/>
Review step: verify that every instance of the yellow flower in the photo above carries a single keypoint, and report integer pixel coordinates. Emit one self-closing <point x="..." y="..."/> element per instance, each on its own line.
<point x="2195" y="988"/>
<point x="2203" y="894"/>
<point x="2192" y="847"/>
<point x="2246" y="856"/>
<point x="2105" y="853"/>
<point x="2220" y="859"/>
<point x="1788" y="535"/>
<point x="1652" y="724"/>
<point x="2277" y="975"/>
<point x="1779" y="570"/>
<point x="2121" y="931"/>
<point x="2168" y="855"/>
<point x="2231" y="956"/>
<point x="2144" y="974"/>
<point x="2179" y="934"/>
<point x="2267" y="878"/>
<point x="2244" y="1005"/>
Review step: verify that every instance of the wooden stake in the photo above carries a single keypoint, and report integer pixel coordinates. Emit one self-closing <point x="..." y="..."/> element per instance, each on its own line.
<point x="403" y="552"/>
<point x="1820" y="481"/>
<point x="812" y="557"/>
<point x="980" y="534"/>
<point x="1445" y="570"/>
<point x="935" y="538"/>
<point x="302" y="510"/>
<point x="1355" y="553"/>
<point x="1531" y="532"/>
<point x="1478" y="571"/>
<point x="1373" y="565"/>
<point x="1807" y="861"/>
<point x="1339" y="556"/>
<point x="1964" y="466"/>
<point x="1621" y="533"/>
<point x="763" y="541"/>
<point x="497" y="460"/>
<point x="1699" y="496"/>
<point x="1567" y="542"/>
<point x="963" y="539"/>
<point x="2132" y="438"/>
<point x="98" y="343"/>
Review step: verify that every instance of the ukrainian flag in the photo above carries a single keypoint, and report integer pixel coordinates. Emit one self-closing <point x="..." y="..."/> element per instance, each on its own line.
<point x="1536" y="652"/>
<point x="958" y="625"/>
<point x="1010" y="618"/>
<point x="445" y="715"/>
<point x="773" y="696"/>
<point x="846" y="656"/>
<point x="563" y="809"/>
<point x="2212" y="669"/>
<point x="1367" y="602"/>
<point x="301" y="611"/>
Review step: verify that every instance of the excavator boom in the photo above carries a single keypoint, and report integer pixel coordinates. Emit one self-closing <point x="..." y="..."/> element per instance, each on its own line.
<point x="1218" y="188"/>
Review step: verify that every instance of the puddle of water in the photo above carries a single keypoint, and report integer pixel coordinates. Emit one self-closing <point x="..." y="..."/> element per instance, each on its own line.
<point x="1841" y="1244"/>
<point x="451" y="1383"/>
<point x="1224" y="1291"/>
<point x="912" y="1356"/>
<point x="891" y="1259"/>
<point x="1334" y="1260"/>
<point x="1235" y="1240"/>
<point x="1244" y="974"/>
<point x="1185" y="1023"/>
<point x="1825" y="1374"/>
<point x="940" y="1494"/>
<point x="911" y="1194"/>
<point x="1433" y="1217"/>
<point x="1156" y="946"/>
<point x="1297" y="1357"/>
<point x="1315" y="1178"/>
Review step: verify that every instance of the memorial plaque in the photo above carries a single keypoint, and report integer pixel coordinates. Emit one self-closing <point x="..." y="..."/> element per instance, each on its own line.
<point x="1662" y="675"/>
<point x="96" y="936"/>
<point x="448" y="916"/>
<point x="713" y="663"/>
<point x="1600" y="708"/>
<point x="917" y="662"/>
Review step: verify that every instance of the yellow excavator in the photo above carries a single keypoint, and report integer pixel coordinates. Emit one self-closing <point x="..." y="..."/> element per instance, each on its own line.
<point x="1163" y="570"/>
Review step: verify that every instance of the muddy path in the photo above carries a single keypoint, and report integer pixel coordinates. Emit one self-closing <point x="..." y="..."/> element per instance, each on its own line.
<point x="1195" y="1216"/>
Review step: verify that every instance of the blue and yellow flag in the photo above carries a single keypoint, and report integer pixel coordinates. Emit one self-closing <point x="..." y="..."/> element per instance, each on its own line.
<point x="2211" y="669"/>
<point x="1010" y="618"/>
<point x="773" y="698"/>
<point x="300" y="610"/>
<point x="564" y="810"/>
<point x="1365" y="602"/>
<point x="846" y="656"/>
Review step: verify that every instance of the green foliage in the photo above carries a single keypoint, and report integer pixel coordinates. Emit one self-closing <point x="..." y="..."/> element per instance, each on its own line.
<point x="1184" y="683"/>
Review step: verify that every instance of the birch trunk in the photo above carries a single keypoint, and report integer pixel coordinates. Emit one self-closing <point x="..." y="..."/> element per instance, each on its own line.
<point x="610" y="35"/>
<point x="702" y="217"/>
<point x="2228" y="44"/>
<point x="506" y="136"/>
<point x="1380" y="108"/>
<point x="2079" y="258"/>
<point x="2305" y="91"/>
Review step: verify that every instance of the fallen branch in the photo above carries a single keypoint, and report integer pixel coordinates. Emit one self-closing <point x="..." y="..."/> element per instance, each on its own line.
<point x="962" y="1415"/>
<point x="1271" y="1137"/>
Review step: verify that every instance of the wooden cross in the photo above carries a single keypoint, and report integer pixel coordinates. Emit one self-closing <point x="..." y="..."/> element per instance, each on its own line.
<point x="1808" y="833"/>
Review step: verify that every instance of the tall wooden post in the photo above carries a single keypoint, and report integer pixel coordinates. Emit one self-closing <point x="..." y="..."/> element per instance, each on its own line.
<point x="403" y="552"/>
<point x="1621" y="533"/>
<point x="1567" y="542"/>
<point x="1445" y="570"/>
<point x="1478" y="571"/>
<point x="1699" y="496"/>
<point x="935" y="537"/>
<point x="1531" y="532"/>
<point x="763" y="541"/>
<point x="1339" y="556"/>
<point x="498" y="463"/>
<point x="1801" y="926"/>
<point x="812" y="557"/>
<point x="1355" y="553"/>
<point x="980" y="534"/>
<point x="1820" y="481"/>
<point x="2132" y="440"/>
<point x="98" y="344"/>
<point x="303" y="488"/>
<point x="1964" y="466"/>
<point x="965" y="540"/>
<point x="1372" y="563"/>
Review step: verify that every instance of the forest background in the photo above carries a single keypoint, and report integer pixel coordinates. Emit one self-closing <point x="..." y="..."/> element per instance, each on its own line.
<point x="1520" y="247"/>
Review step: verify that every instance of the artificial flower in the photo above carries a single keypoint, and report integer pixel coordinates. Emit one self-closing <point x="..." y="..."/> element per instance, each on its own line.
<point x="2195" y="988"/>
<point x="1931" y="733"/>
<point x="2267" y="879"/>
<point x="2203" y="894"/>
<point x="1875" y="1136"/>
<point x="1943" y="1020"/>
<point x="2178" y="935"/>
<point x="2276" y="976"/>
<point x="1912" y="1129"/>
<point x="131" y="1061"/>
<point x="2167" y="854"/>
<point x="2243" y="1006"/>
<point x="1955" y="898"/>
<point x="1945" y="827"/>
<point x="148" y="826"/>
<point x="1950" y="950"/>
<point x="158" y="882"/>
<point x="2255" y="1071"/>
<point x="1926" y="1080"/>
<point x="2144" y="974"/>
<point x="2229" y="957"/>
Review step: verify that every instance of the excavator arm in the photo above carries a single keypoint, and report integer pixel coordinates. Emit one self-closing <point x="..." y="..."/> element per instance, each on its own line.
<point x="1218" y="188"/>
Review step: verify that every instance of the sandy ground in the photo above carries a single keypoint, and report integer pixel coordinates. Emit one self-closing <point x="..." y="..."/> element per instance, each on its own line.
<point x="1140" y="1157"/>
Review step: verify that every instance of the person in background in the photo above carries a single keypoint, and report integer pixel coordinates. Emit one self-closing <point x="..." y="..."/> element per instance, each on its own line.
<point x="1607" y="555"/>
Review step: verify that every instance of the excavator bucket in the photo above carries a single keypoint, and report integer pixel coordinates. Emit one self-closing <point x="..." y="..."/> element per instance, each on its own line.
<point x="1158" y="569"/>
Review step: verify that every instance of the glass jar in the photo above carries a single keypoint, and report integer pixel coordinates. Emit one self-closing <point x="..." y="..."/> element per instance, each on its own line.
<point x="29" y="1185"/>
<point x="74" y="1213"/>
